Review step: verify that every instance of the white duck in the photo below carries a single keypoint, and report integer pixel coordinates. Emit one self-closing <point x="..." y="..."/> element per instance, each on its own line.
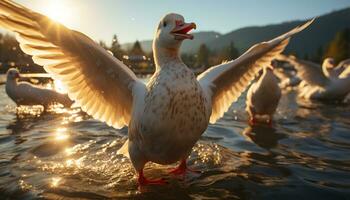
<point x="341" y="70"/>
<point x="287" y="78"/>
<point x="326" y="82"/>
<point x="167" y="115"/>
<point x="23" y="93"/>
<point x="263" y="97"/>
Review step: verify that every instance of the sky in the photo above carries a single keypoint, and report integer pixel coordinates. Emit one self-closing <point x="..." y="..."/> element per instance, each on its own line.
<point x="136" y="19"/>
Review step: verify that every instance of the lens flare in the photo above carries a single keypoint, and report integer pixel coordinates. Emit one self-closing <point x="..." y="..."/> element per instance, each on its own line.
<point x="55" y="181"/>
<point x="58" y="86"/>
<point x="61" y="134"/>
<point x="59" y="11"/>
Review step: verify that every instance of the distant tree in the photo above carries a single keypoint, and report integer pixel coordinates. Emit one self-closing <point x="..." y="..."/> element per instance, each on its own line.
<point x="149" y="55"/>
<point x="150" y="60"/>
<point x="189" y="59"/>
<point x="12" y="56"/>
<point x="293" y="53"/>
<point x="10" y="49"/>
<point x="203" y="56"/>
<point x="339" y="47"/>
<point x="103" y="45"/>
<point x="11" y="52"/>
<point x="116" y="48"/>
<point x="318" y="57"/>
<point x="137" y="49"/>
<point x="229" y="53"/>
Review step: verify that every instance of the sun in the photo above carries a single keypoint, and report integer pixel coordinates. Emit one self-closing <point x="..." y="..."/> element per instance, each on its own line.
<point x="59" y="11"/>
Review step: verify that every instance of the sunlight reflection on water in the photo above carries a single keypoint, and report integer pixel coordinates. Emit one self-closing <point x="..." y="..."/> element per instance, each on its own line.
<point x="63" y="153"/>
<point x="61" y="134"/>
<point x="56" y="181"/>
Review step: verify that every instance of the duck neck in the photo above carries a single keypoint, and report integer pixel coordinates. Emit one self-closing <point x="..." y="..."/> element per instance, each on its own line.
<point x="163" y="56"/>
<point x="328" y="70"/>
<point x="267" y="71"/>
<point x="10" y="85"/>
<point x="267" y="74"/>
<point x="11" y="82"/>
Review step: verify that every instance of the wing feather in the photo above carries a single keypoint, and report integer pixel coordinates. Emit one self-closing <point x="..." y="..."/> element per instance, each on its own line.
<point x="99" y="83"/>
<point x="343" y="69"/>
<point x="224" y="83"/>
<point x="345" y="73"/>
<point x="308" y="71"/>
<point x="38" y="50"/>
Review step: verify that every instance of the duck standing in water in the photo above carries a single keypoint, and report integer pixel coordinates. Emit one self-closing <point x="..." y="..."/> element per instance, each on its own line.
<point x="328" y="82"/>
<point x="23" y="93"/>
<point x="166" y="116"/>
<point x="263" y="97"/>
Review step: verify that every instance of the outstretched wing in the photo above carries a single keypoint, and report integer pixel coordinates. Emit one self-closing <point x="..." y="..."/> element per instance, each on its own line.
<point x="343" y="69"/>
<point x="345" y="73"/>
<point x="99" y="83"/>
<point x="344" y="63"/>
<point x="224" y="83"/>
<point x="308" y="71"/>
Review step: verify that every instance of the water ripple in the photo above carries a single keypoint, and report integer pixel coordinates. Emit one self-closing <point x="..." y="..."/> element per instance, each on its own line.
<point x="63" y="153"/>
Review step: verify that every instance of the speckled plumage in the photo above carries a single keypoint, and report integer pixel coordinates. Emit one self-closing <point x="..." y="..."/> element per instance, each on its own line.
<point x="174" y="115"/>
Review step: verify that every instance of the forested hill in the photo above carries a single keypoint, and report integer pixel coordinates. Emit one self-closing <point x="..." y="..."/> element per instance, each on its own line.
<point x="319" y="34"/>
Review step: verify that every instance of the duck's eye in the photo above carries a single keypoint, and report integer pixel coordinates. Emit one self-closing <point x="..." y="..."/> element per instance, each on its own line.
<point x="164" y="24"/>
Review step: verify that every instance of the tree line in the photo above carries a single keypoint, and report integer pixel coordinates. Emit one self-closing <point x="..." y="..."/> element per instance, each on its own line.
<point x="338" y="48"/>
<point x="202" y="59"/>
<point x="12" y="56"/>
<point x="137" y="59"/>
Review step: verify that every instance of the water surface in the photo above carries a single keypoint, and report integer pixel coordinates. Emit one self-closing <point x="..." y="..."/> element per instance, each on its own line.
<point x="66" y="154"/>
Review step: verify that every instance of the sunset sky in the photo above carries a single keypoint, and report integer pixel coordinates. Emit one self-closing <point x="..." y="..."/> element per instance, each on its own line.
<point x="136" y="19"/>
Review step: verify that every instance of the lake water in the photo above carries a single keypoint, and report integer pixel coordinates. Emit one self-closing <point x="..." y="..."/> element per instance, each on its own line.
<point x="66" y="154"/>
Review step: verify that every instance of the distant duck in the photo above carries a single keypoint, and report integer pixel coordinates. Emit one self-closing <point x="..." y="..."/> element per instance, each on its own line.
<point x="23" y="93"/>
<point x="327" y="82"/>
<point x="287" y="78"/>
<point x="166" y="116"/>
<point x="342" y="70"/>
<point x="263" y="97"/>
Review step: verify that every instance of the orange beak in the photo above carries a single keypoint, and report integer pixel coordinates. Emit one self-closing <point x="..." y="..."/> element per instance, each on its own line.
<point x="181" y="30"/>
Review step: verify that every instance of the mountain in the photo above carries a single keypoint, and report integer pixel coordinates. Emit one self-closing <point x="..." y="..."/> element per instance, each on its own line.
<point x="319" y="34"/>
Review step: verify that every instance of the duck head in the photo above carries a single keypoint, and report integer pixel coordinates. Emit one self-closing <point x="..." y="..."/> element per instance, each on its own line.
<point x="13" y="74"/>
<point x="171" y="31"/>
